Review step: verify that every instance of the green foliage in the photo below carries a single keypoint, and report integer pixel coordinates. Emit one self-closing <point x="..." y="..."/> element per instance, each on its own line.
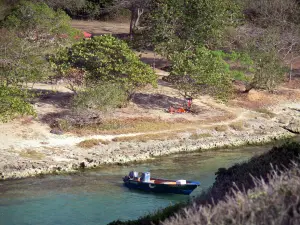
<point x="202" y="71"/>
<point x="105" y="59"/>
<point x="38" y="22"/>
<point x="177" y="25"/>
<point x="13" y="102"/>
<point x="102" y="97"/>
<point x="269" y="71"/>
<point x="83" y="9"/>
<point x="29" y="32"/>
<point x="21" y="61"/>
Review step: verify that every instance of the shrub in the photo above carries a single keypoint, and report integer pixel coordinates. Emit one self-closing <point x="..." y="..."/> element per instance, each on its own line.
<point x="102" y="97"/>
<point x="238" y="126"/>
<point x="221" y="128"/>
<point x="14" y="102"/>
<point x="258" y="166"/>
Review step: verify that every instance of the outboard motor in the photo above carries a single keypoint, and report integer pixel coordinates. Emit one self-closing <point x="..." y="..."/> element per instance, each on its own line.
<point x="145" y="177"/>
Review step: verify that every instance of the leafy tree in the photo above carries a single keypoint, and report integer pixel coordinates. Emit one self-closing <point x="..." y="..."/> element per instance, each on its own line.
<point x="269" y="71"/>
<point x="105" y="59"/>
<point x="202" y="71"/>
<point x="177" y="25"/>
<point x="28" y="33"/>
<point x="21" y="61"/>
<point x="38" y="22"/>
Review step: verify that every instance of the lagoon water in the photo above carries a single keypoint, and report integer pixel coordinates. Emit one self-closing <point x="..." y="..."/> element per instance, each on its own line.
<point x="99" y="197"/>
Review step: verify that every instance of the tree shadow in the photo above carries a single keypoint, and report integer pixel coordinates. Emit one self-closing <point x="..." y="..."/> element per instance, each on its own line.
<point x="156" y="101"/>
<point x="158" y="62"/>
<point x="56" y="98"/>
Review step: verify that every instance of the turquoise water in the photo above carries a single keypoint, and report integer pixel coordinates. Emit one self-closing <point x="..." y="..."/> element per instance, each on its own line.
<point x="99" y="197"/>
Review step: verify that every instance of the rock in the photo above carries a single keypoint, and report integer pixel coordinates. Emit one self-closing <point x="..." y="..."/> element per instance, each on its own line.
<point x="283" y="120"/>
<point x="56" y="131"/>
<point x="293" y="126"/>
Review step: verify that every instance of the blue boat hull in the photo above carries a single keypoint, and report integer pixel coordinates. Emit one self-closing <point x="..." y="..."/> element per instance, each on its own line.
<point x="161" y="188"/>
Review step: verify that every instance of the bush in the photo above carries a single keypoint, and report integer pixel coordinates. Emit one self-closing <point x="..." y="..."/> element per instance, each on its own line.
<point x="105" y="59"/>
<point x="14" y="102"/>
<point x="102" y="97"/>
<point x="258" y="166"/>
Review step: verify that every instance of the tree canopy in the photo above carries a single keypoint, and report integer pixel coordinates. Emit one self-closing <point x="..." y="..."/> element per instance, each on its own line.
<point x="105" y="59"/>
<point x="177" y="25"/>
<point x="27" y="34"/>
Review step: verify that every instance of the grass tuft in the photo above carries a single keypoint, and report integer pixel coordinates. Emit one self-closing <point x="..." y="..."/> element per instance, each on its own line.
<point x="221" y="128"/>
<point x="91" y="143"/>
<point x="238" y="126"/>
<point x="266" y="112"/>
<point x="32" y="154"/>
<point x="196" y="136"/>
<point x="146" y="137"/>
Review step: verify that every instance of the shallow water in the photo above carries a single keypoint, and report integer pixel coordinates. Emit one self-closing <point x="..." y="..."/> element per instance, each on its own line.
<point x="99" y="197"/>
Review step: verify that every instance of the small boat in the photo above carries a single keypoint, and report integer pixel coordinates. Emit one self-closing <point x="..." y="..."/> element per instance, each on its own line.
<point x="147" y="183"/>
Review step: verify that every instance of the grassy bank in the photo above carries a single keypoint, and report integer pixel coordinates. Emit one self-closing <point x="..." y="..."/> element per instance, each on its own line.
<point x="226" y="191"/>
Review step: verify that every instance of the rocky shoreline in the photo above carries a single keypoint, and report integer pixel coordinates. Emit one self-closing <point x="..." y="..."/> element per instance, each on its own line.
<point x="140" y="152"/>
<point x="61" y="154"/>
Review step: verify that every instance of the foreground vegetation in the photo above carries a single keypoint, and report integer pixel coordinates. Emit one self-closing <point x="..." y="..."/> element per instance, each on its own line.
<point x="260" y="191"/>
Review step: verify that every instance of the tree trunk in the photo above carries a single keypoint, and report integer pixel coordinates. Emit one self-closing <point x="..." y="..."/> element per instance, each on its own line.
<point x="132" y="21"/>
<point x="136" y="14"/>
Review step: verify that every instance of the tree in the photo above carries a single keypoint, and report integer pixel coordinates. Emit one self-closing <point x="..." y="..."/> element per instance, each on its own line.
<point x="39" y="23"/>
<point x="136" y="8"/>
<point x="105" y="59"/>
<point x="177" y="25"/>
<point x="199" y="72"/>
<point x="28" y="33"/>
